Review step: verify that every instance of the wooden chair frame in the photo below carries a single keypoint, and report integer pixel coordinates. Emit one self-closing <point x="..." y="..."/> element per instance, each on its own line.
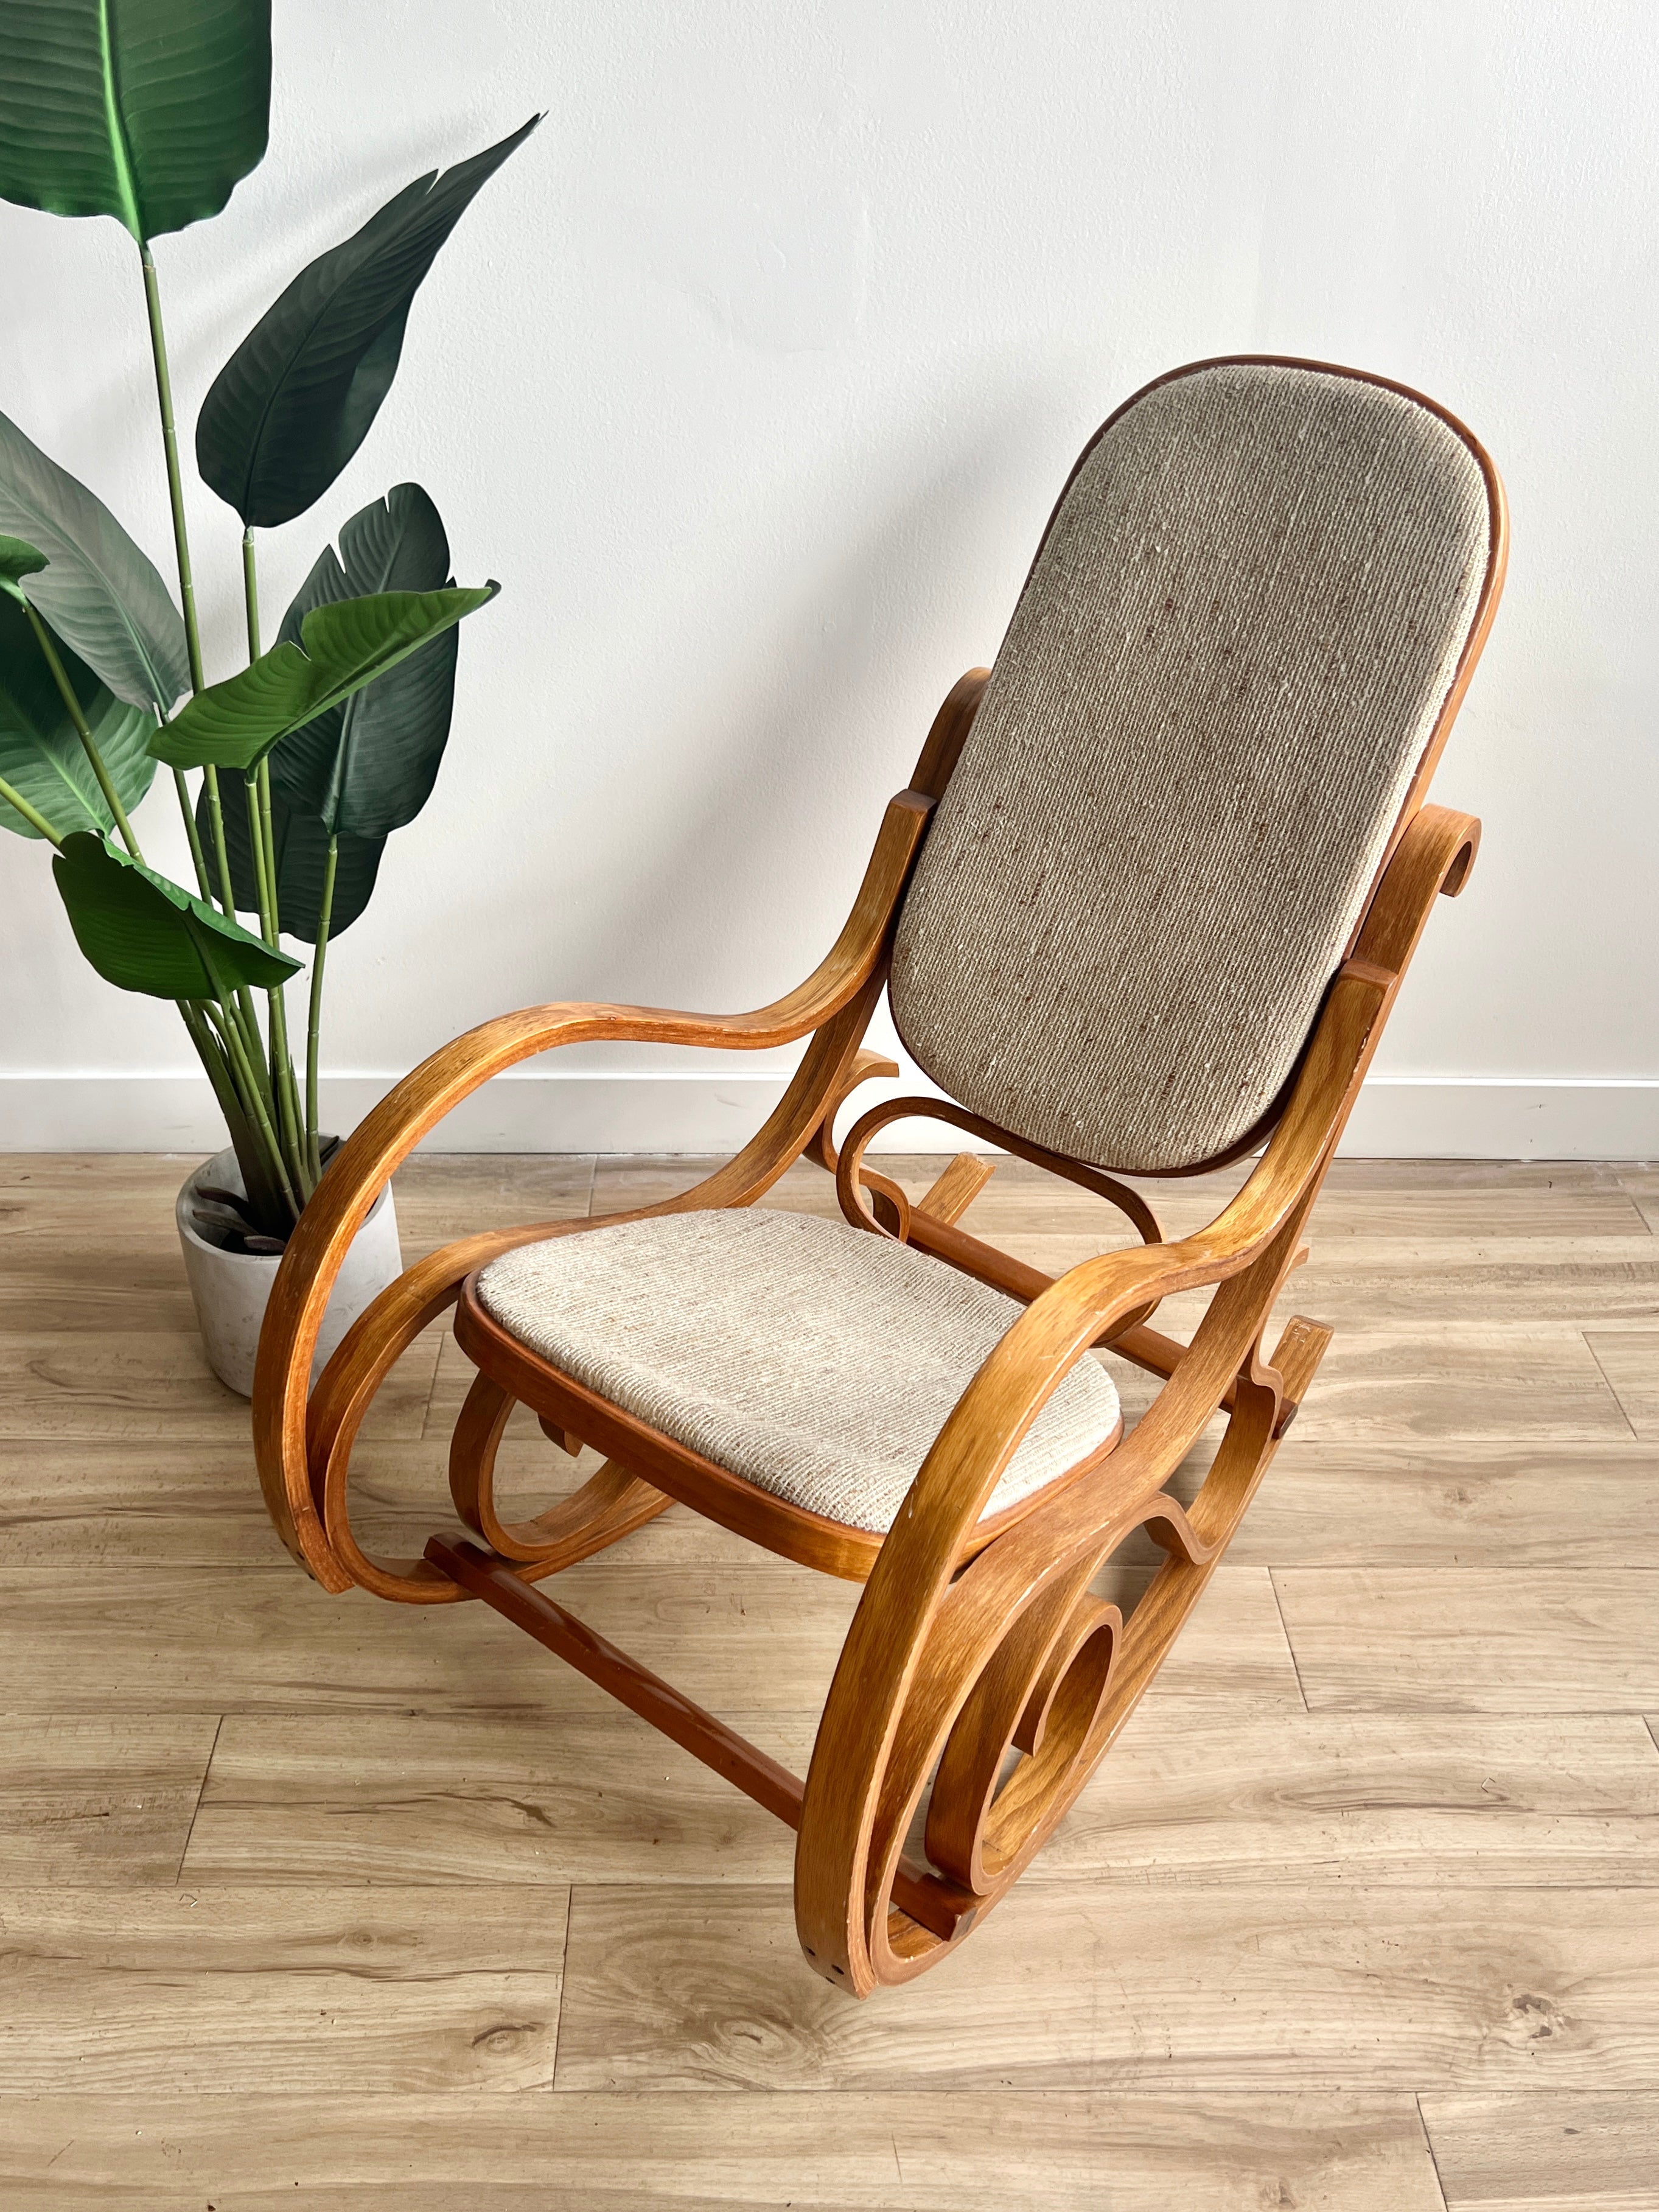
<point x="974" y="1640"/>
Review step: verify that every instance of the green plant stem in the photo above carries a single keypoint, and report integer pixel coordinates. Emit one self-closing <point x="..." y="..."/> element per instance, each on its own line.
<point x="250" y="1092"/>
<point x="158" y="347"/>
<point x="261" y="834"/>
<point x="266" y="851"/>
<point x="211" y="1055"/>
<point x="32" y="815"/>
<point x="228" y="901"/>
<point x="251" y="594"/>
<point x="216" y="831"/>
<point x="281" y="1060"/>
<point x="262" y="838"/>
<point x="314" y="1023"/>
<point x="288" y="1096"/>
<point x="199" y="858"/>
<point x="240" y="1008"/>
<point x="281" y="1070"/>
<point x="82" y="730"/>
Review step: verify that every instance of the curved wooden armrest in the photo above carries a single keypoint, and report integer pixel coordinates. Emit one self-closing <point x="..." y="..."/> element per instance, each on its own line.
<point x="386" y="1136"/>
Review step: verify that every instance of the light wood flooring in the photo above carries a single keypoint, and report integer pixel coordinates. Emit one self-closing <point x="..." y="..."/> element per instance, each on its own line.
<point x="311" y="1901"/>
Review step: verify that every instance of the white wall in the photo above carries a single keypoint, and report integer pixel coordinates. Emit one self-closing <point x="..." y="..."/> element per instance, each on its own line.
<point x="753" y="378"/>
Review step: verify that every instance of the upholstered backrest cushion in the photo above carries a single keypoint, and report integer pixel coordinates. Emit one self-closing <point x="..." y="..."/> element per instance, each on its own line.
<point x="1227" y="661"/>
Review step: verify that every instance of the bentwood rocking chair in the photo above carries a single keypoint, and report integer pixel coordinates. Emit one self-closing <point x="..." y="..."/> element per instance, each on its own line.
<point x="1144" y="908"/>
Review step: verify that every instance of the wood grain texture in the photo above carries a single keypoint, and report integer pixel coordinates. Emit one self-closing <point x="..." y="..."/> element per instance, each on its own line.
<point x="624" y="1181"/>
<point x="1060" y="2152"/>
<point x="154" y="1386"/>
<point x="442" y="1195"/>
<point x="527" y="1797"/>
<point x="1472" y="1201"/>
<point x="211" y="1991"/>
<point x="69" y="1280"/>
<point x="86" y="1502"/>
<point x="742" y="1637"/>
<point x="1480" y="1639"/>
<point x="1476" y="1801"/>
<point x="1629" y="1358"/>
<point x="1362" y="1280"/>
<point x="1641" y="1182"/>
<point x="1549" y="2151"/>
<point x="1455" y="1502"/>
<point x="92" y="1799"/>
<point x="1229" y="1795"/>
<point x="1282" y="1985"/>
<point x="1463" y="1204"/>
<point x="183" y="1638"/>
<point x="1469" y="1378"/>
<point x="1370" y="1281"/>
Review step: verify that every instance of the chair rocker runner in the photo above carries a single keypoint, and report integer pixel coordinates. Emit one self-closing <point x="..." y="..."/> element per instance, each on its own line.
<point x="1144" y="908"/>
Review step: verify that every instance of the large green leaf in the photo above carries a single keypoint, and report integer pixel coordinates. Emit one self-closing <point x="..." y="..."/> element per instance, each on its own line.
<point x="144" y="934"/>
<point x="368" y="765"/>
<point x="41" y="755"/>
<point x="100" y="594"/>
<point x="17" y="560"/>
<point x="147" y="110"/>
<point x="294" y="401"/>
<point x="342" y="647"/>
<point x="301" y="858"/>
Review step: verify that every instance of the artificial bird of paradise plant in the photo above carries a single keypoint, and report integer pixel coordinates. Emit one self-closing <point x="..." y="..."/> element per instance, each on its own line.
<point x="330" y="737"/>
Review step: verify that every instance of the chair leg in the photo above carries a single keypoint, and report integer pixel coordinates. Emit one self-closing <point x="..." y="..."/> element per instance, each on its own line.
<point x="610" y="1505"/>
<point x="931" y="1902"/>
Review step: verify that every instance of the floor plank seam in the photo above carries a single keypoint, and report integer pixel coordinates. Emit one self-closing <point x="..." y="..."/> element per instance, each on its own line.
<point x="1590" y="1347"/>
<point x="564" y="1987"/>
<point x="179" y="1874"/>
<point x="1428" y="2145"/>
<point x="1285" y="1631"/>
<point x="426" y="1431"/>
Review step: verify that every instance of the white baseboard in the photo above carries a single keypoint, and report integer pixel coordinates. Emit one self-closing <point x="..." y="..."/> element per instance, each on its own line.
<point x="1398" y="1116"/>
<point x="1435" y="1117"/>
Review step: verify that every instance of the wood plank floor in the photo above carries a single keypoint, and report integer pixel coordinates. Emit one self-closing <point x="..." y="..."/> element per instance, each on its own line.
<point x="314" y="1902"/>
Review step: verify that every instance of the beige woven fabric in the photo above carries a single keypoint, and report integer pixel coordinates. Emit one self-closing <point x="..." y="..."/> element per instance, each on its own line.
<point x="1195" y="742"/>
<point x="814" y="1359"/>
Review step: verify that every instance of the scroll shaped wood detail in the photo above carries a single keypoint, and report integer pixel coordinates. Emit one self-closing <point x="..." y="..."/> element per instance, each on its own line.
<point x="948" y="1669"/>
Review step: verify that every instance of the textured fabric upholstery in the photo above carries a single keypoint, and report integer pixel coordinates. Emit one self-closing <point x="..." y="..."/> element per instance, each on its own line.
<point x="1217" y="683"/>
<point x="817" y="1360"/>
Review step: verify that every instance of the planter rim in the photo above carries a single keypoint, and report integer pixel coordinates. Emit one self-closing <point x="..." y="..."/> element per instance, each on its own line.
<point x="272" y="1259"/>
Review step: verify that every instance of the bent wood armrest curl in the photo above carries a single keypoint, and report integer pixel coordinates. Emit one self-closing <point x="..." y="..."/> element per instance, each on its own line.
<point x="835" y="1002"/>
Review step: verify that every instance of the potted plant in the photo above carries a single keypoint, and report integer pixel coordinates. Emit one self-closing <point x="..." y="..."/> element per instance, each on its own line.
<point x="306" y="759"/>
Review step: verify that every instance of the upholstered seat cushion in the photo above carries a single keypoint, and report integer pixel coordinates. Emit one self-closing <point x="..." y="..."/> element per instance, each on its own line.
<point x="814" y="1359"/>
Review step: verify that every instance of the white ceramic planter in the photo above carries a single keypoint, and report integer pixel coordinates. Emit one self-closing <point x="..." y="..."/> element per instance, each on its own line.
<point x="230" y="1289"/>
